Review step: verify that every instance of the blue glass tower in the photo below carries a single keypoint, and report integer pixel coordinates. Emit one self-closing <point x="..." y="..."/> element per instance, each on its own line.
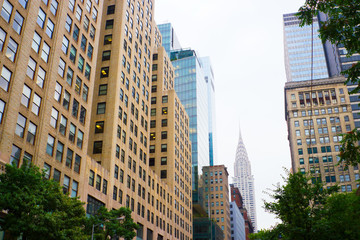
<point x="191" y="88"/>
<point x="169" y="38"/>
<point x="209" y="79"/>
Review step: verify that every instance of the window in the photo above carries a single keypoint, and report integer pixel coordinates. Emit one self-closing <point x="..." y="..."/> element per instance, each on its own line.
<point x="50" y="145"/>
<point x="63" y="124"/>
<point x="109" y="24"/>
<point x="65" y="45"/>
<point x="85" y="93"/>
<point x="15" y="155"/>
<point x="45" y="52"/>
<point x="94" y="14"/>
<point x="104" y="72"/>
<point x="164" y="99"/>
<point x="54" y="117"/>
<point x="163" y="160"/>
<point x="20" y="125"/>
<point x="92" y="31"/>
<point x="72" y="132"/>
<point x="81" y="63"/>
<point x="76" y="33"/>
<point x="80" y="138"/>
<point x="163" y="147"/>
<point x="77" y="163"/>
<point x="87" y="71"/>
<point x="103" y="89"/>
<point x="164" y="122"/>
<point x="78" y="84"/>
<point x="35" y="108"/>
<point x="163" y="173"/>
<point x="90" y="51"/>
<point x="82" y="116"/>
<point x="25" y="97"/>
<point x="97" y="147"/>
<point x="66" y="100"/>
<point x="66" y="184"/>
<point x="18" y="22"/>
<point x="59" y="152"/>
<point x="61" y="68"/>
<point x="2" y="38"/>
<point x="41" y="18"/>
<point x="58" y="90"/>
<point x="78" y="13"/>
<point x="2" y="109"/>
<point x="11" y="49"/>
<point x="111" y="9"/>
<point x="164" y="110"/>
<point x="98" y="182"/>
<point x="101" y="108"/>
<point x="86" y="23"/>
<point x="83" y="42"/>
<point x="72" y="55"/>
<point x="99" y="127"/>
<point x="75" y="108"/>
<point x="6" y="11"/>
<point x="68" y="24"/>
<point x="49" y="28"/>
<point x="106" y="55"/>
<point x="74" y="189"/>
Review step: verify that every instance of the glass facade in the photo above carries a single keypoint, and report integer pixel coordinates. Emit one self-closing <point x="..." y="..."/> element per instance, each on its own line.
<point x="191" y="89"/>
<point x="169" y="38"/>
<point x="298" y="45"/>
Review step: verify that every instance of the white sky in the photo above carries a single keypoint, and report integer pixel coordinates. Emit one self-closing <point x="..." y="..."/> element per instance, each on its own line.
<point x="244" y="40"/>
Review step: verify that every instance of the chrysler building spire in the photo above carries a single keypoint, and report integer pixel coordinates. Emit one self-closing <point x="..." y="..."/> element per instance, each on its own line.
<point x="244" y="180"/>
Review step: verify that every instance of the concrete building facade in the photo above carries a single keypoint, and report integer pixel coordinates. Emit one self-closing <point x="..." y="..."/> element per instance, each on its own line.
<point x="237" y="223"/>
<point x="75" y="99"/>
<point x="317" y="113"/>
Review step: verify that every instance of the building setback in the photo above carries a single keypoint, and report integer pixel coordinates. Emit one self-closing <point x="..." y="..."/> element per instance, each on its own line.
<point x="75" y="99"/>
<point x="317" y="113"/>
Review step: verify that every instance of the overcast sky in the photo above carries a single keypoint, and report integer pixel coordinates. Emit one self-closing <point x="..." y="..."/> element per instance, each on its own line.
<point x="244" y="40"/>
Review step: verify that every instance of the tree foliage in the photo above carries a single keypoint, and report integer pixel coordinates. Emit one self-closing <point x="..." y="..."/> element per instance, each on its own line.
<point x="342" y="27"/>
<point x="36" y="208"/>
<point x="113" y="223"/>
<point x="312" y="212"/>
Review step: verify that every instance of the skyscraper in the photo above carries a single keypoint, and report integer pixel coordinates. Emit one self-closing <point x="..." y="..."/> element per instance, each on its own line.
<point x="244" y="180"/>
<point x="317" y="113"/>
<point x="169" y="39"/>
<point x="302" y="45"/>
<point x="76" y="99"/>
<point x="209" y="78"/>
<point x="191" y="88"/>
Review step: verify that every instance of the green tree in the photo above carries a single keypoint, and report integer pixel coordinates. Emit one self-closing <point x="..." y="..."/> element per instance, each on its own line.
<point x="342" y="27"/>
<point x="312" y="212"/>
<point x="113" y="223"/>
<point x="36" y="208"/>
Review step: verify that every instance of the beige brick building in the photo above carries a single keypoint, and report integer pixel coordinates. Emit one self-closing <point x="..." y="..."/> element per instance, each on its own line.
<point x="214" y="182"/>
<point x="317" y="113"/>
<point x="75" y="99"/>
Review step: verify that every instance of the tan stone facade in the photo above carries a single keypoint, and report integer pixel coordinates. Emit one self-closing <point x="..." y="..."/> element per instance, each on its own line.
<point x="75" y="94"/>
<point x="317" y="113"/>
<point x="214" y="182"/>
<point x="170" y="148"/>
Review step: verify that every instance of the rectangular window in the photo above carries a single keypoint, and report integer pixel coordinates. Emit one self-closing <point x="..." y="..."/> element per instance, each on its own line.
<point x="66" y="184"/>
<point x="2" y="109"/>
<point x="108" y="39"/>
<point x="101" y="108"/>
<point x="41" y="18"/>
<point x="92" y="31"/>
<point x="20" y="126"/>
<point x="76" y="33"/>
<point x="35" y="108"/>
<point x="87" y="71"/>
<point x="31" y="133"/>
<point x="6" y="11"/>
<point x="106" y="55"/>
<point x="81" y="63"/>
<point x="50" y="145"/>
<point x="71" y="5"/>
<point x="78" y="84"/>
<point x="15" y="155"/>
<point x="45" y="52"/>
<point x="74" y="189"/>
<point x="58" y="90"/>
<point x="83" y="42"/>
<point x="90" y="51"/>
<point x="66" y="100"/>
<point x="18" y="22"/>
<point x="65" y="45"/>
<point x="72" y="132"/>
<point x="69" y="158"/>
<point x="80" y="138"/>
<point x="72" y="55"/>
<point x="75" y="108"/>
<point x="109" y="24"/>
<point x="54" y="117"/>
<point x="78" y="13"/>
<point x="77" y="163"/>
<point x="68" y="24"/>
<point x="91" y="178"/>
<point x="104" y="72"/>
<point x="97" y="147"/>
<point x="61" y="68"/>
<point x="59" y="152"/>
<point x="86" y="23"/>
<point x="98" y="182"/>
<point x="11" y="49"/>
<point x="49" y="28"/>
<point x="25" y="97"/>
